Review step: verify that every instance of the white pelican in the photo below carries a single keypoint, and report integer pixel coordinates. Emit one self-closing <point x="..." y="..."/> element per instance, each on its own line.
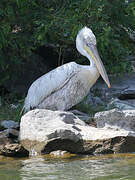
<point x="67" y="85"/>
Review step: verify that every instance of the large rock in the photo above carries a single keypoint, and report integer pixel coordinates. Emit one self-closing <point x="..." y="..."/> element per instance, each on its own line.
<point x="46" y="131"/>
<point x="122" y="87"/>
<point x="9" y="124"/>
<point x="128" y="93"/>
<point x="81" y="115"/>
<point x="39" y="127"/>
<point x="128" y="104"/>
<point x="9" y="145"/>
<point x="116" y="119"/>
<point x="121" y="95"/>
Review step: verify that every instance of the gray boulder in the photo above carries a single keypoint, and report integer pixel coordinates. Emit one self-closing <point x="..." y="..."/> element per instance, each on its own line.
<point x="46" y="131"/>
<point x="128" y="93"/>
<point x="7" y="124"/>
<point x="121" y="94"/>
<point x="122" y="104"/>
<point x="38" y="127"/>
<point x="9" y="145"/>
<point x="81" y="115"/>
<point x="116" y="119"/>
<point x="122" y="87"/>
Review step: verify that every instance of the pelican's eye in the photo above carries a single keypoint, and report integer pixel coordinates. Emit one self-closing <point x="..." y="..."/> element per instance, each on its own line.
<point x="89" y="44"/>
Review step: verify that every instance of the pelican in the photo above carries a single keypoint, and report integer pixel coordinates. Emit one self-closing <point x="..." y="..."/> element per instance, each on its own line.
<point x="67" y="85"/>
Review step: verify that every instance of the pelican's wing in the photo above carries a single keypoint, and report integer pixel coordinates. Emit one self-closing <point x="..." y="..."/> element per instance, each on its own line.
<point x="49" y="83"/>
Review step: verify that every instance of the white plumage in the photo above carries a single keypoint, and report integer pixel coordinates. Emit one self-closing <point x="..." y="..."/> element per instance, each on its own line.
<point x="67" y="85"/>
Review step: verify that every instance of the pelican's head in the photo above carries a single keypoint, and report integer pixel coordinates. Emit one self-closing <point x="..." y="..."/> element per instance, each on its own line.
<point x="86" y="45"/>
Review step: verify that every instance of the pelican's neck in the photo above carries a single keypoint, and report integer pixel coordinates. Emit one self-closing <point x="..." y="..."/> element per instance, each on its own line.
<point x="92" y="63"/>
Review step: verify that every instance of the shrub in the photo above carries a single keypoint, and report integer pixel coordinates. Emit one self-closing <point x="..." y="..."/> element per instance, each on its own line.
<point x="29" y="24"/>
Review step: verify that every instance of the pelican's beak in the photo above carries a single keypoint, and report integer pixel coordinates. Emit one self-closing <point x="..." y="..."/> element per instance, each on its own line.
<point x="93" y="52"/>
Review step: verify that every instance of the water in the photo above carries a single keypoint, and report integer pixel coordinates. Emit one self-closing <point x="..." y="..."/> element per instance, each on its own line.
<point x="108" y="167"/>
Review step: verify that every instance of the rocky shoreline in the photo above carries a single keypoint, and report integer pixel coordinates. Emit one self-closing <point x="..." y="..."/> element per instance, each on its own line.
<point x="9" y="141"/>
<point x="46" y="131"/>
<point x="109" y="131"/>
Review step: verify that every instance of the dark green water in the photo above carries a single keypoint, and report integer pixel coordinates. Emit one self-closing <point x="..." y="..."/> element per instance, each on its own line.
<point x="109" y="167"/>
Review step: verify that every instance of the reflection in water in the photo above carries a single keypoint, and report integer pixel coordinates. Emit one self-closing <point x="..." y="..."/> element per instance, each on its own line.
<point x="112" y="167"/>
<point x="9" y="169"/>
<point x="99" y="169"/>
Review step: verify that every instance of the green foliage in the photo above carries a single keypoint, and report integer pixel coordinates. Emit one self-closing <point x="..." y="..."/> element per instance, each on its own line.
<point x="6" y="110"/>
<point x="28" y="24"/>
<point x="89" y="109"/>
